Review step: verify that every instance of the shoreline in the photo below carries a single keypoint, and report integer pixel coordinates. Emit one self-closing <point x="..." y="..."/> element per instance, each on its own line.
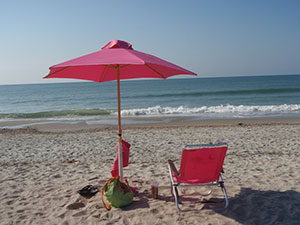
<point x="142" y="122"/>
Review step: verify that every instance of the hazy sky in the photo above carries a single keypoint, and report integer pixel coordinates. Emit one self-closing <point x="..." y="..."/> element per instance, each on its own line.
<point x="211" y="38"/>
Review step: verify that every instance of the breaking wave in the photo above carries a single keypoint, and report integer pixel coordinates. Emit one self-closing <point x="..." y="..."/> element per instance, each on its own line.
<point x="228" y="110"/>
<point x="218" y="111"/>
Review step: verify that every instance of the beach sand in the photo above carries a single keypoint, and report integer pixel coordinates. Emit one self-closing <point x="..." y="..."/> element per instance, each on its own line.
<point x="43" y="167"/>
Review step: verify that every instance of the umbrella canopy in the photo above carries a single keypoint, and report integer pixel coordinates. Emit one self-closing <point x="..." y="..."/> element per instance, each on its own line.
<point x="101" y="66"/>
<point x="117" y="60"/>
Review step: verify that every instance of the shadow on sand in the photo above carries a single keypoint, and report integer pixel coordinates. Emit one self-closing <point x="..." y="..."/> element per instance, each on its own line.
<point x="250" y="206"/>
<point x="264" y="207"/>
<point x="253" y="207"/>
<point x="141" y="201"/>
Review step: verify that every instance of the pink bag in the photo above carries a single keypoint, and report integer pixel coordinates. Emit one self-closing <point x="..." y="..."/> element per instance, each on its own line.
<point x="125" y="154"/>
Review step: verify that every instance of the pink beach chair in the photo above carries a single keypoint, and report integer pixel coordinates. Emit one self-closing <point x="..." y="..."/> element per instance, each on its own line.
<point x="201" y="165"/>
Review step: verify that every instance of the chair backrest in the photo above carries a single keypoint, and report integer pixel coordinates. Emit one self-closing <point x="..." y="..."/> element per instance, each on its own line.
<point x="202" y="163"/>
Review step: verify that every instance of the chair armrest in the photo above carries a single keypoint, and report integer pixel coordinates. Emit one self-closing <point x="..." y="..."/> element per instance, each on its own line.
<point x="173" y="168"/>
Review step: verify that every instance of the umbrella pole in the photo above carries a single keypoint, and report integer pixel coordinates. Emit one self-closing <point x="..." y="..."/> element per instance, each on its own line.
<point x="120" y="161"/>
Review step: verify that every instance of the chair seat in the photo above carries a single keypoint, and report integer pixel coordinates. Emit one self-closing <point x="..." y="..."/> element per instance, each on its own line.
<point x="192" y="181"/>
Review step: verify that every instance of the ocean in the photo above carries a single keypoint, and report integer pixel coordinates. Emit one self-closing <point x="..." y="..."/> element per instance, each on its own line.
<point x="199" y="98"/>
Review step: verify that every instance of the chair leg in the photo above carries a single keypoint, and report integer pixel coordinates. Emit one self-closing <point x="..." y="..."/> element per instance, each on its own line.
<point x="174" y="190"/>
<point x="176" y="196"/>
<point x="225" y="194"/>
<point x="223" y="188"/>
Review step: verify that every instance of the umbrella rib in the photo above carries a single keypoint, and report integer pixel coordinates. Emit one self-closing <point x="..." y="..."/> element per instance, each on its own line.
<point x="103" y="73"/>
<point x="112" y="66"/>
<point x="121" y="67"/>
<point x="59" y="70"/>
<point x="153" y="70"/>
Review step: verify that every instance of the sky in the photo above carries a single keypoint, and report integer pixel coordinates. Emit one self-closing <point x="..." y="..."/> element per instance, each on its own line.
<point x="210" y="38"/>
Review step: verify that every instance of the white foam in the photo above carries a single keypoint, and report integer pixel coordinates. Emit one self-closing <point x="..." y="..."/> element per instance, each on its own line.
<point x="225" y="110"/>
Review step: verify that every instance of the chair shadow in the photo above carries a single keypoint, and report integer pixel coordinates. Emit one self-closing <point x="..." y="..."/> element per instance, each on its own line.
<point x="251" y="206"/>
<point x="264" y="207"/>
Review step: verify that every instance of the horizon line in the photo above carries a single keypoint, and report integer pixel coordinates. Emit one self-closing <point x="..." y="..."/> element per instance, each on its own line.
<point x="66" y="80"/>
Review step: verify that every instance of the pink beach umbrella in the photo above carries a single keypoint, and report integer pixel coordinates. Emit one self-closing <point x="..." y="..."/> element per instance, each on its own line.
<point x="117" y="60"/>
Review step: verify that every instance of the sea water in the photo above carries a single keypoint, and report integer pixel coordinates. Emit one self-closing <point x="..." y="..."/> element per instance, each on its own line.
<point x="200" y="98"/>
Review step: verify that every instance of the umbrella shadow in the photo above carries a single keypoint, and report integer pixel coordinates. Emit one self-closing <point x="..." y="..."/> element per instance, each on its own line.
<point x="264" y="207"/>
<point x="140" y="201"/>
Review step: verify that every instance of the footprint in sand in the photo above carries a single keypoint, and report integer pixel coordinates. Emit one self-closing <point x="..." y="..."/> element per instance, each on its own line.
<point x="76" y="205"/>
<point x="82" y="213"/>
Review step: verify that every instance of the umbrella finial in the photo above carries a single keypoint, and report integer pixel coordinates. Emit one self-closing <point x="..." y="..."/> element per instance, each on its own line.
<point x="117" y="44"/>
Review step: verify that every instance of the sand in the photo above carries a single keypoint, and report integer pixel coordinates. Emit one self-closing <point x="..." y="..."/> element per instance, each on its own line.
<point x="43" y="167"/>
